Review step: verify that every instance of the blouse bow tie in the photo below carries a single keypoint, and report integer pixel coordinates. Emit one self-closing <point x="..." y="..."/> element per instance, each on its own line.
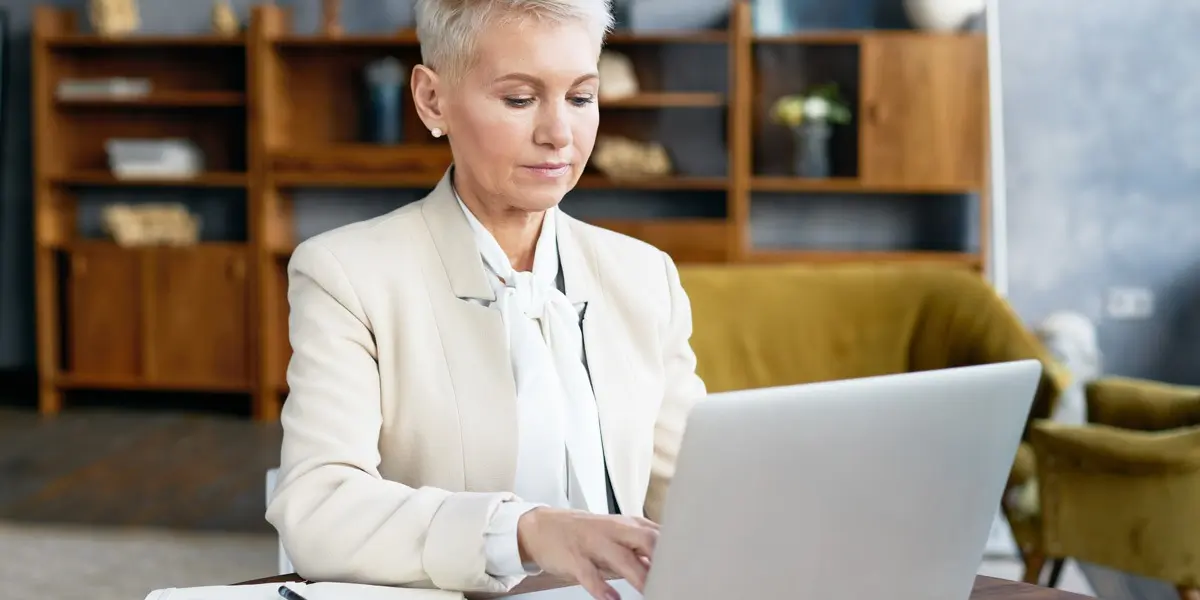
<point x="547" y="347"/>
<point x="530" y="295"/>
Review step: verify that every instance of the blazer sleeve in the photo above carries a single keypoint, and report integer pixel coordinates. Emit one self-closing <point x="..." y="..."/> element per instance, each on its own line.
<point x="337" y="517"/>
<point x="683" y="388"/>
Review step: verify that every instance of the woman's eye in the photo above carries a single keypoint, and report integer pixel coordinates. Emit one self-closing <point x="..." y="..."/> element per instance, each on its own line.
<point x="518" y="102"/>
<point x="582" y="100"/>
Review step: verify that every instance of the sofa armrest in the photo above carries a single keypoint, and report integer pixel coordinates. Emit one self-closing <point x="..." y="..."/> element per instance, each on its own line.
<point x="1107" y="449"/>
<point x="1141" y="404"/>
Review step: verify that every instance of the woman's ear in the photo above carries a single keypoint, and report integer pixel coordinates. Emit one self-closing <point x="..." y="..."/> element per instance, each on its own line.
<point x="427" y="98"/>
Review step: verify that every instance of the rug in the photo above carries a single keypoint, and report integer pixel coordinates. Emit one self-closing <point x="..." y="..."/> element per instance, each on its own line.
<point x="126" y="468"/>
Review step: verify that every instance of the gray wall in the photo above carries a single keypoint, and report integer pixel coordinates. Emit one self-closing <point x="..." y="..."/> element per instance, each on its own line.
<point x="1102" y="120"/>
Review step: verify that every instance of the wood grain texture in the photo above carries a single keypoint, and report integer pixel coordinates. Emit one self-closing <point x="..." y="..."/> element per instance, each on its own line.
<point x="923" y="98"/>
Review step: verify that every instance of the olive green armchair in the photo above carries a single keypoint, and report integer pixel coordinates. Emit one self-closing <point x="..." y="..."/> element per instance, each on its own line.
<point x="1124" y="490"/>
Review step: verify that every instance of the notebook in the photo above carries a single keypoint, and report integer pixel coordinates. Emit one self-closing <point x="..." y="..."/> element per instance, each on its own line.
<point x="311" y="591"/>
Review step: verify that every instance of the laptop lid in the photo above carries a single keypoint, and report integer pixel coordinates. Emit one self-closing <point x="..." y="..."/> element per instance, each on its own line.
<point x="882" y="487"/>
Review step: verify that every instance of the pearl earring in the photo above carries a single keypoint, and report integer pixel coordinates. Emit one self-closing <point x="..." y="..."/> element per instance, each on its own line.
<point x="437" y="133"/>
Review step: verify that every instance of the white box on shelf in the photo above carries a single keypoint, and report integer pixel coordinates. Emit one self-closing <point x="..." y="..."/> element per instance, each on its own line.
<point x="169" y="158"/>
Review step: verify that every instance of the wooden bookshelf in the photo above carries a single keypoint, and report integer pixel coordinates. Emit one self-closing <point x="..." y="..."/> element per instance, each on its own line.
<point x="275" y="111"/>
<point x="117" y="318"/>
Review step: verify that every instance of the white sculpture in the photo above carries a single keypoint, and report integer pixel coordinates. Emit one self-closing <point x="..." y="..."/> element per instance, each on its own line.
<point x="1071" y="338"/>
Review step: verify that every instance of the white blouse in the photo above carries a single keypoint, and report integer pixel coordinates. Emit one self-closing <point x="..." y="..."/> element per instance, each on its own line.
<point x="560" y="460"/>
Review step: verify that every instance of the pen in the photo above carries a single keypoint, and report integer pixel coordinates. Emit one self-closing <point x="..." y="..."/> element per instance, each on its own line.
<point x="287" y="593"/>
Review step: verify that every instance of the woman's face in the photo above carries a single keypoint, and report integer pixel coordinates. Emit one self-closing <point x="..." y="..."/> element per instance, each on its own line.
<point x="522" y="121"/>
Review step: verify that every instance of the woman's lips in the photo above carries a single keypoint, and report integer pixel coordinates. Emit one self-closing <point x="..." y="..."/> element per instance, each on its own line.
<point x="550" y="170"/>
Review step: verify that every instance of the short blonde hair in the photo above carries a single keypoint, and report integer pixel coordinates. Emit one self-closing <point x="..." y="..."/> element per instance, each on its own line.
<point x="448" y="29"/>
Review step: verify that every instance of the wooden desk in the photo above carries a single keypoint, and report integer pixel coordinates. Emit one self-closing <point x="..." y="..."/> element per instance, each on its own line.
<point x="986" y="588"/>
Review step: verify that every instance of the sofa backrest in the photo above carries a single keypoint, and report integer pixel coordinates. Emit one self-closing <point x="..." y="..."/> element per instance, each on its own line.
<point x="766" y="325"/>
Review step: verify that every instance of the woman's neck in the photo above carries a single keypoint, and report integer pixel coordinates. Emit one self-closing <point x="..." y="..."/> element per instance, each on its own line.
<point x="516" y="231"/>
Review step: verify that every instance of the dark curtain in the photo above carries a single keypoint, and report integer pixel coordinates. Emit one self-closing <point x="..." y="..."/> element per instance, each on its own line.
<point x="5" y="59"/>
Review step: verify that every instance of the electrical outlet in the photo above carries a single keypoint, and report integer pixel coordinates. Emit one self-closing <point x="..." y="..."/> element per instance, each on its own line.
<point x="1130" y="303"/>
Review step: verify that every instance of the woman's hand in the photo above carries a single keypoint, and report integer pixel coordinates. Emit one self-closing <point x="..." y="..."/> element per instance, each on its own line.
<point x="584" y="547"/>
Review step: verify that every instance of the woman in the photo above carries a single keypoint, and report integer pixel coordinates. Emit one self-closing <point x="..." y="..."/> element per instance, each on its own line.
<point x="481" y="386"/>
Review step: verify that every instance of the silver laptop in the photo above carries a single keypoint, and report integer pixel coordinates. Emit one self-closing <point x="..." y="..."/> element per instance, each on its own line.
<point x="882" y="487"/>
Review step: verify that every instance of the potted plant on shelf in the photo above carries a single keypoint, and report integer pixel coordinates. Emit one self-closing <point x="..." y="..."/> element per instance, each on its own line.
<point x="811" y="117"/>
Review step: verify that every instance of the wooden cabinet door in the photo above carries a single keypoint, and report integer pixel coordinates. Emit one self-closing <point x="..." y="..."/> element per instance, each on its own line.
<point x="199" y="321"/>
<point x="104" y="328"/>
<point x="923" y="117"/>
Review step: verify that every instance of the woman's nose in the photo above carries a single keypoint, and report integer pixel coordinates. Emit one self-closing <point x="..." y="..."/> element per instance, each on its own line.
<point x="554" y="129"/>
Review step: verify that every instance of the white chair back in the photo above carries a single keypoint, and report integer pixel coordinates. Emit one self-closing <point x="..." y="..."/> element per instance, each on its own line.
<point x="285" y="565"/>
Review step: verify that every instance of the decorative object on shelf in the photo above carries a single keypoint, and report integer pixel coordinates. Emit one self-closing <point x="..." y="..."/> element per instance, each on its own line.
<point x="617" y="77"/>
<point x="114" y="18"/>
<point x="331" y="17"/>
<point x="623" y="158"/>
<point x="942" y="15"/>
<point x="384" y="115"/>
<point x="811" y="117"/>
<point x="772" y="17"/>
<point x="224" y="19"/>
<point x="171" y="158"/>
<point x="157" y="224"/>
<point x="105" y="88"/>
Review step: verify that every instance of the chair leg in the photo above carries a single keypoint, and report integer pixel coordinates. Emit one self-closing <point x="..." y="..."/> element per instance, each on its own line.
<point x="1034" y="563"/>
<point x="1056" y="569"/>
<point x="1189" y="593"/>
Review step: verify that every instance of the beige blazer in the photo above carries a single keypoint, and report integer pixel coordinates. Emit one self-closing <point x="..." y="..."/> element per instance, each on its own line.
<point x="400" y="427"/>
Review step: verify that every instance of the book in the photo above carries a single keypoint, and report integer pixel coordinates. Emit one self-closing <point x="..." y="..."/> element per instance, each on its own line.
<point x="311" y="591"/>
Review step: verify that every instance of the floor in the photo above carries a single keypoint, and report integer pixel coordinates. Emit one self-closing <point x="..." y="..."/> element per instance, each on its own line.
<point x="71" y="562"/>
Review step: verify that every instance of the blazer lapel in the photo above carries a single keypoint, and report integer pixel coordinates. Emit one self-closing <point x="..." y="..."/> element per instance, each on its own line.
<point x="476" y="348"/>
<point x="605" y="360"/>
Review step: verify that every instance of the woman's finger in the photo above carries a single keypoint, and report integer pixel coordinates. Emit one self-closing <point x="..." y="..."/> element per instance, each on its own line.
<point x="625" y="564"/>
<point x="590" y="579"/>
<point x="639" y="539"/>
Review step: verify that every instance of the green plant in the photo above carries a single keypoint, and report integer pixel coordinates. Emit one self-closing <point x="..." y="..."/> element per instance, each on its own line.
<point x="822" y="103"/>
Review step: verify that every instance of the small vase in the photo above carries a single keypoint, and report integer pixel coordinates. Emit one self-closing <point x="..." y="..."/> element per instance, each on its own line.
<point x="810" y="157"/>
<point x="385" y="101"/>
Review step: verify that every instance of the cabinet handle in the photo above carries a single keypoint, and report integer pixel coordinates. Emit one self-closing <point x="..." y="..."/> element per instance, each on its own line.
<point x="237" y="268"/>
<point x="875" y="114"/>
